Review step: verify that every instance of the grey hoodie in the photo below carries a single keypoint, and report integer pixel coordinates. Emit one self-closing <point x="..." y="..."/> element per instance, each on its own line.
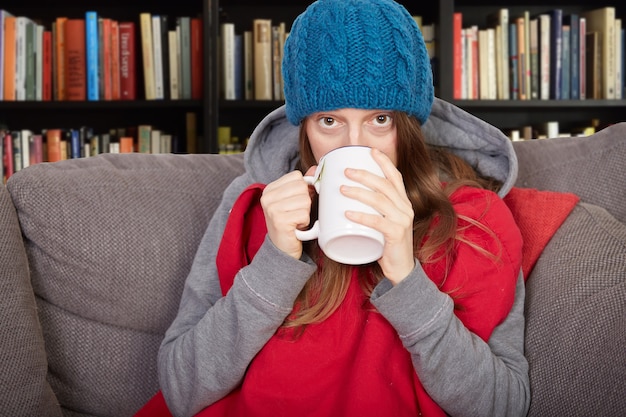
<point x="210" y="343"/>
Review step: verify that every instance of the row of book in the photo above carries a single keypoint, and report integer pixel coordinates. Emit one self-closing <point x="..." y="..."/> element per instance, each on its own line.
<point x="94" y="58"/>
<point x="21" y="148"/>
<point x="552" y="129"/>
<point x="547" y="56"/>
<point x="250" y="60"/>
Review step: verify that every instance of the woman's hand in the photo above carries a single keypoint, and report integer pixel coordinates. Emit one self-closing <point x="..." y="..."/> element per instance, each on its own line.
<point x="388" y="197"/>
<point x="286" y="204"/>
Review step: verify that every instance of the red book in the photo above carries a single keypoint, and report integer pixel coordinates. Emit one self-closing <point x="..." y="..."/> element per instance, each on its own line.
<point x="196" y="58"/>
<point x="75" y="60"/>
<point x="115" y="60"/>
<point x="128" y="88"/>
<point x="457" y="56"/>
<point x="107" y="92"/>
<point x="46" y="84"/>
<point x="8" y="155"/>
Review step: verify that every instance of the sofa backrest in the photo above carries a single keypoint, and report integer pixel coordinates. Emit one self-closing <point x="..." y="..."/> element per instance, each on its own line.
<point x="110" y="240"/>
<point x="576" y="294"/>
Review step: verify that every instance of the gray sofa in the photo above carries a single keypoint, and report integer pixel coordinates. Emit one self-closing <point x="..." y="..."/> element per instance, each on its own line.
<point x="94" y="252"/>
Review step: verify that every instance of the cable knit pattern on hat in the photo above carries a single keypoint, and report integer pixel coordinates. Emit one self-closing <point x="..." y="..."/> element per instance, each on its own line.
<point x="366" y="54"/>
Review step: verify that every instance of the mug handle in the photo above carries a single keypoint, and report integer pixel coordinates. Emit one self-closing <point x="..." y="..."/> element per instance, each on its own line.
<point x="314" y="231"/>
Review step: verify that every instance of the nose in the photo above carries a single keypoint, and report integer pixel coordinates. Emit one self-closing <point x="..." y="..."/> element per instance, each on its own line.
<point x="356" y="135"/>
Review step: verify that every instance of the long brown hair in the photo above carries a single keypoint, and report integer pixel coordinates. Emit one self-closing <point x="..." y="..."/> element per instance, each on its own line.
<point x="430" y="176"/>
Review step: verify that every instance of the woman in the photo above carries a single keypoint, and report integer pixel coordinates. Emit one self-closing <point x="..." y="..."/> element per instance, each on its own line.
<point x="267" y="326"/>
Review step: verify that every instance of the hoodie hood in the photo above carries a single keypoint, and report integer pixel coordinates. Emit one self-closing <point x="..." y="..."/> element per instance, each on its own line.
<point x="273" y="147"/>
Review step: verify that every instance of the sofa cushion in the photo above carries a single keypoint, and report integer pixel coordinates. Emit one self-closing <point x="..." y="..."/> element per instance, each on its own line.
<point x="110" y="240"/>
<point x="592" y="167"/>
<point x="575" y="310"/>
<point x="23" y="366"/>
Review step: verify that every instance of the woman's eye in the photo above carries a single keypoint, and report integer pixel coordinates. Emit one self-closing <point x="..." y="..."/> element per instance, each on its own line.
<point x="327" y="121"/>
<point x="382" y="119"/>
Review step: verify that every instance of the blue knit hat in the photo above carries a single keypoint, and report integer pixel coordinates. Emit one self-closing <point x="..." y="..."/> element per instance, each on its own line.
<point x="366" y="54"/>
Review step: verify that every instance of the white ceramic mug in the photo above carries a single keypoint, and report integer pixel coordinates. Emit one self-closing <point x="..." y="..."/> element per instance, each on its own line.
<point x="340" y="239"/>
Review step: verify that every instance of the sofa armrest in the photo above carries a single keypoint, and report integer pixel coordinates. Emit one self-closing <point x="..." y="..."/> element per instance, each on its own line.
<point x="110" y="240"/>
<point x="23" y="365"/>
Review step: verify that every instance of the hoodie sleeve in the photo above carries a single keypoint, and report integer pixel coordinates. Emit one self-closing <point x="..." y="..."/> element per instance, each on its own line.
<point x="196" y="363"/>
<point x="466" y="335"/>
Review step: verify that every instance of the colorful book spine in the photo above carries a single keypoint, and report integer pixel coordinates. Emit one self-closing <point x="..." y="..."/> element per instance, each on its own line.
<point x="91" y="43"/>
<point x="513" y="79"/>
<point x="556" y="52"/>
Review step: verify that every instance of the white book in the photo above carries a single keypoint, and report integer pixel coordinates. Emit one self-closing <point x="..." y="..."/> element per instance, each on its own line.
<point x="166" y="143"/>
<point x="618" y="59"/>
<point x="145" y="23"/>
<point x="172" y="40"/>
<point x="114" y="147"/>
<point x="25" y="135"/>
<point x="39" y="63"/>
<point x="20" y="58"/>
<point x="227" y="38"/>
<point x="155" y="141"/>
<point x="492" y="88"/>
<point x="483" y="64"/>
<point x="157" y="53"/>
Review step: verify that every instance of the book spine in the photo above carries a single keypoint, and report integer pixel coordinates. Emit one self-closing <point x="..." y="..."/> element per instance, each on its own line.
<point x="157" y="53"/>
<point x="513" y="79"/>
<point x="59" y="45"/>
<point x="544" y="57"/>
<point x="228" y="60"/>
<point x="165" y="56"/>
<point x="457" y="55"/>
<point x="173" y="64"/>
<point x="574" y="23"/>
<point x="115" y="60"/>
<point x="91" y="45"/>
<point x="582" y="57"/>
<point x="556" y="53"/>
<point x="185" y="57"/>
<point x="262" y="59"/>
<point x="196" y="58"/>
<point x="565" y="63"/>
<point x="145" y="23"/>
<point x="9" y="58"/>
<point x="128" y="89"/>
<point x="75" y="63"/>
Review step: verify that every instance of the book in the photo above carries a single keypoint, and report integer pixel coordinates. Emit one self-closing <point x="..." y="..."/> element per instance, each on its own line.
<point x="521" y="58"/>
<point x="457" y="56"/>
<point x="92" y="55"/>
<point x="165" y="55"/>
<point x="105" y="73"/>
<point x="534" y="58"/>
<point x="500" y="18"/>
<point x="513" y="58"/>
<point x="53" y="144"/>
<point x="39" y="29"/>
<point x="248" y="65"/>
<point x="9" y="58"/>
<point x="184" y="23"/>
<point x="145" y="24"/>
<point x="35" y="149"/>
<point x="144" y="138"/>
<point x="126" y="144"/>
<point x="582" y="58"/>
<point x="565" y="63"/>
<point x="278" y="35"/>
<point x="227" y="58"/>
<point x="115" y="60"/>
<point x="159" y="82"/>
<point x="618" y="59"/>
<point x="30" y="64"/>
<point x="173" y="64"/>
<point x="25" y="135"/>
<point x="239" y="85"/>
<point x="196" y="58"/>
<point x="3" y="15"/>
<point x="527" y="69"/>
<point x="544" y="56"/>
<point x="602" y="21"/>
<point x="20" y="59"/>
<point x="46" y="83"/>
<point x="556" y="52"/>
<point x="59" y="46"/>
<point x="75" y="60"/>
<point x="128" y="89"/>
<point x="573" y="21"/>
<point x="9" y="168"/>
<point x="155" y="141"/>
<point x="262" y="30"/>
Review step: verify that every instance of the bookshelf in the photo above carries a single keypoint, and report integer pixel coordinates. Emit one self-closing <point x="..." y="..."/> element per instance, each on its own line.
<point x="243" y="115"/>
<point x="103" y="115"/>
